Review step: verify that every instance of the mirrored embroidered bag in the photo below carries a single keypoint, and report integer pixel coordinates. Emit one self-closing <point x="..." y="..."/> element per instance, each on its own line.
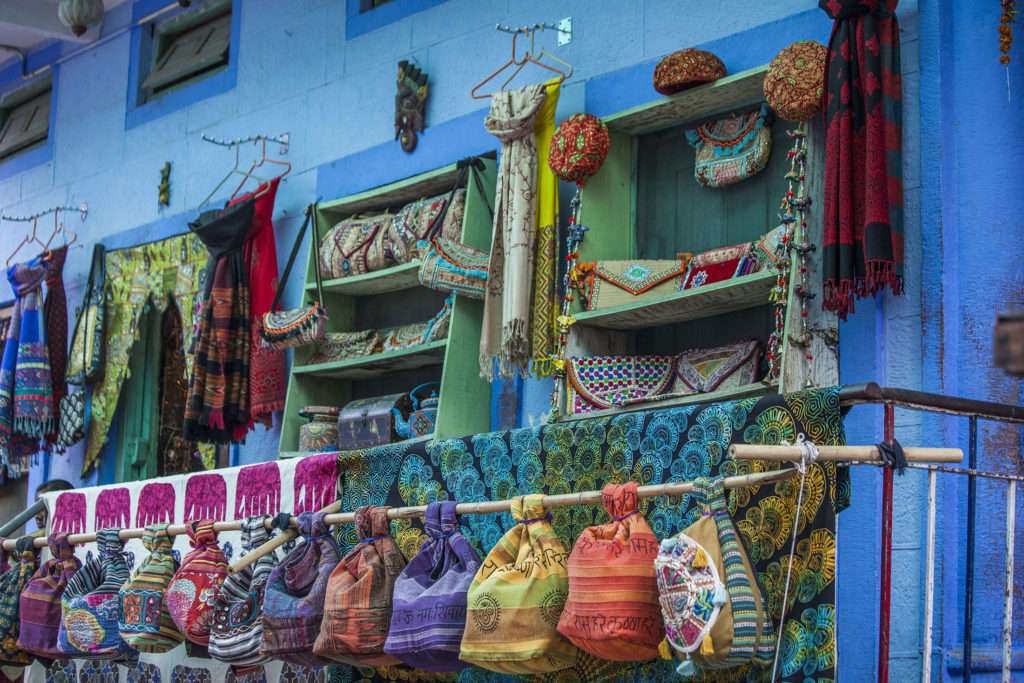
<point x="40" y="608"/>
<point x="598" y="382"/>
<point x="428" y="615"/>
<point x="194" y="588"/>
<point x="144" y="621"/>
<point x="733" y="149"/>
<point x="723" y="367"/>
<point x="89" y="606"/>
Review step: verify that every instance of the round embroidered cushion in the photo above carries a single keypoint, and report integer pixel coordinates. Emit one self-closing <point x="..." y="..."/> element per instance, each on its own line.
<point x="795" y="81"/>
<point x="578" y="148"/>
<point x="685" y="69"/>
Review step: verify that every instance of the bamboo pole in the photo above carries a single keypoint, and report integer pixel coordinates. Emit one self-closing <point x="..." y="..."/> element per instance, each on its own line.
<point x="559" y="500"/>
<point x="863" y="454"/>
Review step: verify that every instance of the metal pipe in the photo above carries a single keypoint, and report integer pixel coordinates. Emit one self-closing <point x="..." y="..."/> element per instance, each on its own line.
<point x="19" y="521"/>
<point x="972" y="492"/>
<point x="889" y="426"/>
<point x="861" y="454"/>
<point x="1011" y="513"/>
<point x="870" y="392"/>
<point x="929" y="583"/>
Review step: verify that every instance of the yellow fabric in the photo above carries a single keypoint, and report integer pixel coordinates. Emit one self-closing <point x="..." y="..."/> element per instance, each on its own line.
<point x="544" y="307"/>
<point x="155" y="272"/>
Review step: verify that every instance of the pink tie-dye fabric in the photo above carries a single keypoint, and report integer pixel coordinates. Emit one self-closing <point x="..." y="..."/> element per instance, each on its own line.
<point x="258" y="490"/>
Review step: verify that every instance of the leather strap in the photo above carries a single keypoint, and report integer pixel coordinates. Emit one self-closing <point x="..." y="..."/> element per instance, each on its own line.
<point x="473" y="166"/>
<point x="310" y="214"/>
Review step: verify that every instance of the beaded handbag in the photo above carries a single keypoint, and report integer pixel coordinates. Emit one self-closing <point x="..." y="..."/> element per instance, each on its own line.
<point x="597" y="382"/>
<point x="732" y="150"/>
<point x="280" y="330"/>
<point x="447" y="264"/>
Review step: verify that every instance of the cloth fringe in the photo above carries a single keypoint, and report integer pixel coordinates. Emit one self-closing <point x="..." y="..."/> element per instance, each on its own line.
<point x="32" y="428"/>
<point x="839" y="296"/>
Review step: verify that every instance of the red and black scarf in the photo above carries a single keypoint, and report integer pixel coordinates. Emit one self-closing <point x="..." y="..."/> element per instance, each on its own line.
<point x="863" y="232"/>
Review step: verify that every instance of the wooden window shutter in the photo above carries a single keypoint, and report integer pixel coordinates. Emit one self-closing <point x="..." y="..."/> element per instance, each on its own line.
<point x="25" y="124"/>
<point x="191" y="52"/>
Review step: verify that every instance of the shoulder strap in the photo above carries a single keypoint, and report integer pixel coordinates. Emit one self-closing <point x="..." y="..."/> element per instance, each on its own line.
<point x="471" y="165"/>
<point x="310" y="214"/>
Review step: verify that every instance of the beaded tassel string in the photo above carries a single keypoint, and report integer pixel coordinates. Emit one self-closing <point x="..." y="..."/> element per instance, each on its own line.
<point x="793" y="216"/>
<point x="565" y="320"/>
<point x="1006" y="19"/>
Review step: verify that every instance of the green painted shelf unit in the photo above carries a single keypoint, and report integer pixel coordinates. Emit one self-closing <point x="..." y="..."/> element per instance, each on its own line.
<point x="644" y="203"/>
<point x="389" y="298"/>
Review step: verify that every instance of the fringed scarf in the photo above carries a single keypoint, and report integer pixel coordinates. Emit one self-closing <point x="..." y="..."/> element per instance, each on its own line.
<point x="26" y="396"/>
<point x="217" y="408"/>
<point x="505" y="336"/>
<point x="863" y="214"/>
<point x="55" y="312"/>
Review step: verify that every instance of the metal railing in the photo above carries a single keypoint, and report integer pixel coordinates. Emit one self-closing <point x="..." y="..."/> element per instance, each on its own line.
<point x="889" y="397"/>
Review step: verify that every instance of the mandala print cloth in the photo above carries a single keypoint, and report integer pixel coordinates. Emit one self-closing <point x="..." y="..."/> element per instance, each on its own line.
<point x="649" y="447"/>
<point x="150" y="273"/>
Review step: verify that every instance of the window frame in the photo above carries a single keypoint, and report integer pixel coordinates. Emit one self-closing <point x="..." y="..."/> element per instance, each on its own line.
<point x="10" y="82"/>
<point x="359" y="21"/>
<point x="141" y="109"/>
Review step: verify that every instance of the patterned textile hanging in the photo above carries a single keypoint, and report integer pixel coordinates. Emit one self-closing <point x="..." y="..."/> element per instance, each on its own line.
<point x="176" y="456"/>
<point x="26" y="398"/>
<point x="545" y="265"/>
<point x="863" y="216"/>
<point x="55" y="314"/>
<point x="268" y="380"/>
<point x="217" y="410"/>
<point x="505" y="336"/>
<point x="157" y="272"/>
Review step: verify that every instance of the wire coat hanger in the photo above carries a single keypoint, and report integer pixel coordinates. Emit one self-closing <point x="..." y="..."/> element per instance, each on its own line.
<point x="529" y="58"/>
<point x="256" y="164"/>
<point x="472" y="93"/>
<point x="234" y="170"/>
<point x="58" y="227"/>
<point x="28" y="239"/>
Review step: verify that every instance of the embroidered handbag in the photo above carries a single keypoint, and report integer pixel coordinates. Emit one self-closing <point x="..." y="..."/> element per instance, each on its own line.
<point x="598" y="382"/>
<point x="697" y="276"/>
<point x="612" y="610"/>
<point x="85" y="360"/>
<point x="742" y="633"/>
<point x="412" y="224"/>
<point x="614" y="283"/>
<point x="12" y="583"/>
<point x="237" y="629"/>
<point x="423" y="417"/>
<point x="89" y="605"/>
<point x="428" y="614"/>
<point x="448" y="265"/>
<point x="39" y="608"/>
<point x="421" y="333"/>
<point x="356" y="246"/>
<point x="73" y="418"/>
<point x="731" y="150"/>
<point x="357" y="609"/>
<point x="723" y="367"/>
<point x="293" y="602"/>
<point x="144" y="621"/>
<point x="280" y="330"/>
<point x="194" y="588"/>
<point x="337" y="346"/>
<point x="691" y="594"/>
<point x="369" y="422"/>
<point x="516" y="599"/>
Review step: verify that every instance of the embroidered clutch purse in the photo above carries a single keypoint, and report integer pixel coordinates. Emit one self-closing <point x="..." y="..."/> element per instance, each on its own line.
<point x="421" y="333"/>
<point x="412" y="223"/>
<point x="356" y="246"/>
<point x="597" y="382"/>
<point x="732" y="150"/>
<point x="337" y="346"/>
<point x="723" y="367"/>
<point x="613" y="283"/>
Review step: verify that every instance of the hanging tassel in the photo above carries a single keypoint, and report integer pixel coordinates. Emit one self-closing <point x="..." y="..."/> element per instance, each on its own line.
<point x="707" y="648"/>
<point x="700" y="559"/>
<point x="687" y="669"/>
<point x="721" y="596"/>
<point x="664" y="649"/>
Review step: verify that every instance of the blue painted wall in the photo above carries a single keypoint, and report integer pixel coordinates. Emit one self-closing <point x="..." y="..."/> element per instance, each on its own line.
<point x="294" y="71"/>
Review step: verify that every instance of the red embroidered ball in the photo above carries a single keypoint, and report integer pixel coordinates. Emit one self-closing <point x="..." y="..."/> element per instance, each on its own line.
<point x="795" y="81"/>
<point x="685" y="69"/>
<point x="578" y="148"/>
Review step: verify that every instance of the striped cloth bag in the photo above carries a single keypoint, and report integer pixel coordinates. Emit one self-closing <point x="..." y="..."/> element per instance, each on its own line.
<point x="357" y="610"/>
<point x="517" y="596"/>
<point x="293" y="602"/>
<point x="89" y="606"/>
<point x="40" y="608"/>
<point x="238" y="613"/>
<point x="193" y="590"/>
<point x="428" y="616"/>
<point x="612" y="610"/>
<point x="12" y="583"/>
<point x="742" y="633"/>
<point x="144" y="622"/>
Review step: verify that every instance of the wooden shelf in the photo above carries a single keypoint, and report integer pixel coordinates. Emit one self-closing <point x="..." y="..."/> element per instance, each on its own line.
<point x="394" y="279"/>
<point x="690" y="304"/>
<point x="729" y="394"/>
<point x="368" y="367"/>
<point x="731" y="92"/>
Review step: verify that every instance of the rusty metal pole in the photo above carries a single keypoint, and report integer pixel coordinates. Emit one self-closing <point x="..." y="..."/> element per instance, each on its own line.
<point x="889" y="432"/>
